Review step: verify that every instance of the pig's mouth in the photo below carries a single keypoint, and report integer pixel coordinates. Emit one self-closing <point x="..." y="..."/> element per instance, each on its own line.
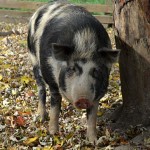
<point x="83" y="103"/>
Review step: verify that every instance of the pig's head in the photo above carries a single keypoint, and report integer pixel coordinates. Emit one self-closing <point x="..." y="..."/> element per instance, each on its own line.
<point x="84" y="79"/>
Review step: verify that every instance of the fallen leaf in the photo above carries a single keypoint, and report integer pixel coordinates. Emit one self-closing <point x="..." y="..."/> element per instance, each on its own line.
<point x="104" y="105"/>
<point x="58" y="141"/>
<point x="25" y="79"/>
<point x="14" y="91"/>
<point x="6" y="66"/>
<point x="1" y="76"/>
<point x="58" y="147"/>
<point x="24" y="113"/>
<point x="2" y="127"/>
<point x="48" y="148"/>
<point x="20" y="121"/>
<point x="147" y="141"/>
<point x="13" y="138"/>
<point x="30" y="94"/>
<point x="31" y="141"/>
<point x="70" y="135"/>
<point x="123" y="141"/>
<point x="100" y="113"/>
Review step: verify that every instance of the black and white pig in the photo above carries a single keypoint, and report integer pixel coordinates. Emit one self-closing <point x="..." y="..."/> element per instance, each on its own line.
<point x="71" y="52"/>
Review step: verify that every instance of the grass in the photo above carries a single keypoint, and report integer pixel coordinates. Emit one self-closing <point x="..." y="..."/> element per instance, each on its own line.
<point x="74" y="1"/>
<point x="89" y="1"/>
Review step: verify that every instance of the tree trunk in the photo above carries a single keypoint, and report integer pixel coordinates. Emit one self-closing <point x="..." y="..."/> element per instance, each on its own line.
<point x="132" y="34"/>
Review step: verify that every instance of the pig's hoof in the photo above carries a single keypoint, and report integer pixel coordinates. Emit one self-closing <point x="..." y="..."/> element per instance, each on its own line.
<point x="53" y="129"/>
<point x="43" y="115"/>
<point x="42" y="112"/>
<point x="92" y="138"/>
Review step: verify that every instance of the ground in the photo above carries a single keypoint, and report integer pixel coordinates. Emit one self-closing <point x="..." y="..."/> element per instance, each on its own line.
<point x="20" y="126"/>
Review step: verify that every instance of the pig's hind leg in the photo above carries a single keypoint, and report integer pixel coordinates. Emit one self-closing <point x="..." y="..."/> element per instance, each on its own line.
<point x="41" y="93"/>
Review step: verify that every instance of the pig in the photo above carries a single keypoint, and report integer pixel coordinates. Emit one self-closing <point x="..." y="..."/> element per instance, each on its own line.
<point x="70" y="52"/>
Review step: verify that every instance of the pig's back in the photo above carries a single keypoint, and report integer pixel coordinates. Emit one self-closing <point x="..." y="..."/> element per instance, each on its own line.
<point x="58" y="23"/>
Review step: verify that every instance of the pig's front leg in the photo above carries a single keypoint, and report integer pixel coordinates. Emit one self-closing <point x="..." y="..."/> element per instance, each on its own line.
<point x="54" y="113"/>
<point x="91" y="122"/>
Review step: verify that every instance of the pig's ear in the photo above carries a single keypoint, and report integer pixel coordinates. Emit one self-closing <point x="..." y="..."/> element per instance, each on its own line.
<point x="61" y="52"/>
<point x="109" y="55"/>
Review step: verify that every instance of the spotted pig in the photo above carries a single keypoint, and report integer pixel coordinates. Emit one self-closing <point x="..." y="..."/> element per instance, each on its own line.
<point x="70" y="52"/>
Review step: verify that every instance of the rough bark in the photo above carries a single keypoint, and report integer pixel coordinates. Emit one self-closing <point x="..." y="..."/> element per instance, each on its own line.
<point x="132" y="26"/>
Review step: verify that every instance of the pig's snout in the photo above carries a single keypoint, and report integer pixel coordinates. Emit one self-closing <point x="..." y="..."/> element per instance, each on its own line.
<point x="83" y="103"/>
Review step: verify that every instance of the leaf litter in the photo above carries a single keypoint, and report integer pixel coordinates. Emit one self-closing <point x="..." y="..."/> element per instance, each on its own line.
<point x="20" y="126"/>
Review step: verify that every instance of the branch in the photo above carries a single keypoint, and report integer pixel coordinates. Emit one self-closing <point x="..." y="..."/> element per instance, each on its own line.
<point x="9" y="33"/>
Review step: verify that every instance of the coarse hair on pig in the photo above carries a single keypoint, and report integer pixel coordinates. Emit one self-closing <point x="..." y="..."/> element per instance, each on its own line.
<point x="70" y="52"/>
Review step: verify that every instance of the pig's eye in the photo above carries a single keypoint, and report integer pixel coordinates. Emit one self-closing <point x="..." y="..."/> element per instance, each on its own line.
<point x="95" y="73"/>
<point x="70" y="71"/>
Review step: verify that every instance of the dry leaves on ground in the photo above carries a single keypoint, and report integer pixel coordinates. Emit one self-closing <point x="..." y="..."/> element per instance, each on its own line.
<point x="20" y="126"/>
